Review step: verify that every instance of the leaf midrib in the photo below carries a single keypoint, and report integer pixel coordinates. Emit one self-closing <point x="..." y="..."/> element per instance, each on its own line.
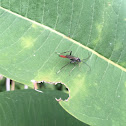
<point x="64" y="36"/>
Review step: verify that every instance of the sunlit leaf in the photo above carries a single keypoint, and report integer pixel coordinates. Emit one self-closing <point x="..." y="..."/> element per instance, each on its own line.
<point x="30" y="36"/>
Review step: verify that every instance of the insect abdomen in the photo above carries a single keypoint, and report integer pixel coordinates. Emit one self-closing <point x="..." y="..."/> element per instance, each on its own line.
<point x="62" y="56"/>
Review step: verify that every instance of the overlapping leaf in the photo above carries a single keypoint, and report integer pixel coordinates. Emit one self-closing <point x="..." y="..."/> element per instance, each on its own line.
<point x="30" y="108"/>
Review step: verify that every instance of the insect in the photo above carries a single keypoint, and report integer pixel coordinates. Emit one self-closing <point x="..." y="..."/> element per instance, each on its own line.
<point x="74" y="60"/>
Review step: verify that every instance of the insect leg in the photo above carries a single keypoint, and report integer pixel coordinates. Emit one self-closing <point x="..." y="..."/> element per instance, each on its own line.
<point x="65" y="52"/>
<point x="72" y="69"/>
<point x="70" y="52"/>
<point x="79" y="67"/>
<point x="87" y="65"/>
<point x="63" y="67"/>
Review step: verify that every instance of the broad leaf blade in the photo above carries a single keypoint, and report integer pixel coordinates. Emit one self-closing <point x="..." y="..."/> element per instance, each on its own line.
<point x="96" y="96"/>
<point x="99" y="25"/>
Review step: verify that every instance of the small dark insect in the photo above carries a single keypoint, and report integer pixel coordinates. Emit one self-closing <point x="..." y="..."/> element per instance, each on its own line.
<point x="73" y="59"/>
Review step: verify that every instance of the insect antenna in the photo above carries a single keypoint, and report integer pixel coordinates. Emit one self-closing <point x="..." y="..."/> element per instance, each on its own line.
<point x="87" y="57"/>
<point x="83" y="60"/>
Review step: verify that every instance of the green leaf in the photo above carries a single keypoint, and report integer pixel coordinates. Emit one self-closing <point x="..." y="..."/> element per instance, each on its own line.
<point x="28" y="47"/>
<point x="99" y="25"/>
<point x="31" y="108"/>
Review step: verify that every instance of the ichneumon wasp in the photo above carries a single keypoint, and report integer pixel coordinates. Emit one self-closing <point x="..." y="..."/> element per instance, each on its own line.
<point x="74" y="60"/>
